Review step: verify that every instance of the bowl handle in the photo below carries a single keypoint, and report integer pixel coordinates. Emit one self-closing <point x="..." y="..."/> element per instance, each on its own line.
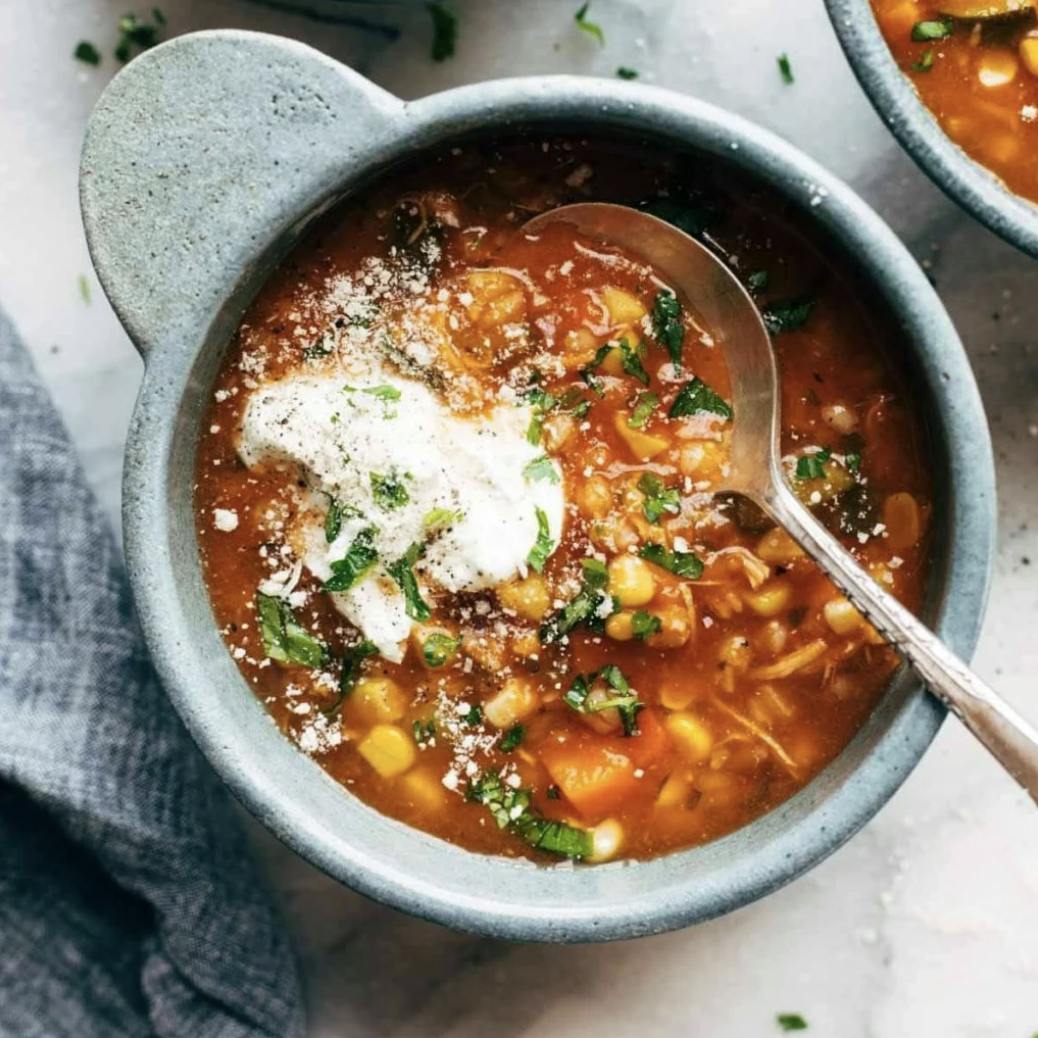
<point x="203" y="152"/>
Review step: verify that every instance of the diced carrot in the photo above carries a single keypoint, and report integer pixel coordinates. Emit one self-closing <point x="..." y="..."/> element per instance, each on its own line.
<point x="651" y="742"/>
<point x="594" y="778"/>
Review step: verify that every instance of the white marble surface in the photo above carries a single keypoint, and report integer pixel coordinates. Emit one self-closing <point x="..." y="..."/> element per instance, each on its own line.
<point x="927" y="922"/>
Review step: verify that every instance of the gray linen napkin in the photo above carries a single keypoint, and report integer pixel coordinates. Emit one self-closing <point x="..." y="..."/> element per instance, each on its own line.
<point x="128" y="903"/>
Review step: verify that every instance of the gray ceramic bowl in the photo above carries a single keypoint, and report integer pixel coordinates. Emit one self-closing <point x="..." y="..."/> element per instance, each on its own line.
<point x="203" y="162"/>
<point x="894" y="97"/>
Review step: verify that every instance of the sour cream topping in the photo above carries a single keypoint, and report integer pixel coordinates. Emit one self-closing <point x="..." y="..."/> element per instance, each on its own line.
<point x="397" y="462"/>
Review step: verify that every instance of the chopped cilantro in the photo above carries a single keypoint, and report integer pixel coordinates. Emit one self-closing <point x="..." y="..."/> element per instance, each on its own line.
<point x="359" y="558"/>
<point x="554" y="793"/>
<point x="445" y="31"/>
<point x="592" y="28"/>
<point x="474" y="716"/>
<point x="389" y="492"/>
<point x="852" y="459"/>
<point x="631" y="361"/>
<point x="791" y="1022"/>
<point x="625" y="701"/>
<point x="787" y="316"/>
<point x="349" y="672"/>
<point x="542" y="403"/>
<point x="935" y="29"/>
<point x="402" y="571"/>
<point x="696" y="397"/>
<point x="439" y="648"/>
<point x="137" y="34"/>
<point x="626" y="73"/>
<point x="512" y="739"/>
<point x="925" y="62"/>
<point x="543" y="546"/>
<point x="584" y="608"/>
<point x="687" y="216"/>
<point x="644" y="624"/>
<point x="542" y="468"/>
<point x="424" y="731"/>
<point x="511" y="810"/>
<point x="586" y="372"/>
<point x="643" y="408"/>
<point x="667" y="326"/>
<point x="84" y="288"/>
<point x="387" y="394"/>
<point x="436" y="518"/>
<point x="86" y="52"/>
<point x="681" y="563"/>
<point x="332" y="521"/>
<point x="757" y="281"/>
<point x="785" y="69"/>
<point x="812" y="466"/>
<point x="658" y="498"/>
<point x="284" y="640"/>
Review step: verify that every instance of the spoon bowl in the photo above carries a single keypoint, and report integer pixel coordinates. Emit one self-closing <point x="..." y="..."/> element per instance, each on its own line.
<point x="702" y="278"/>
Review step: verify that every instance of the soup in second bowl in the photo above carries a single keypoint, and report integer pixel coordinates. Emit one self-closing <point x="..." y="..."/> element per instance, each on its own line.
<point x="456" y="507"/>
<point x="975" y="65"/>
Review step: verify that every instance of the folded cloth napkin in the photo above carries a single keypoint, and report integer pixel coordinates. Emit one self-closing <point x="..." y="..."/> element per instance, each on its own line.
<point x="128" y="903"/>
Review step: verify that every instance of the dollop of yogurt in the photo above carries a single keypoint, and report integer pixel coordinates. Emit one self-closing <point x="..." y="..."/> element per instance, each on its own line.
<point x="398" y="463"/>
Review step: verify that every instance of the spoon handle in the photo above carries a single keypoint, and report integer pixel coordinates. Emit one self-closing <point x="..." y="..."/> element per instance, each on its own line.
<point x="1010" y="738"/>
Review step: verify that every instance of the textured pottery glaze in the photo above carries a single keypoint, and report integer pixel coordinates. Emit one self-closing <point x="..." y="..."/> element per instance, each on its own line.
<point x="203" y="162"/>
<point x="892" y="94"/>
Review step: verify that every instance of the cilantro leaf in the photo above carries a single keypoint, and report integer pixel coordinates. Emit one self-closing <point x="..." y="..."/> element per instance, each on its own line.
<point x="787" y="316"/>
<point x="474" y="716"/>
<point x="625" y="701"/>
<point x="667" y="326"/>
<point x="935" y="29"/>
<point x="542" y="468"/>
<point x="332" y="521"/>
<point x="512" y="739"/>
<point x="358" y="560"/>
<point x="696" y="397"/>
<point x="681" y="563"/>
<point x="925" y="62"/>
<point x="626" y="73"/>
<point x="134" y="33"/>
<point x="785" y="69"/>
<point x="439" y="648"/>
<point x="658" y="498"/>
<point x="757" y="281"/>
<point x="631" y="361"/>
<point x="643" y="408"/>
<point x="402" y="571"/>
<point x="812" y="466"/>
<point x="389" y="491"/>
<point x="592" y="28"/>
<point x="445" y="31"/>
<point x="436" y="518"/>
<point x="791" y="1022"/>
<point x="644" y="624"/>
<point x="511" y="809"/>
<point x="544" y="544"/>
<point x="284" y="640"/>
<point x="424" y="731"/>
<point x="583" y="608"/>
<point x="86" y="52"/>
<point x="349" y="672"/>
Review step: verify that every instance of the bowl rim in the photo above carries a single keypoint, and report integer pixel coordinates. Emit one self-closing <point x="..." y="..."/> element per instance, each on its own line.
<point x="967" y="182"/>
<point x="683" y="887"/>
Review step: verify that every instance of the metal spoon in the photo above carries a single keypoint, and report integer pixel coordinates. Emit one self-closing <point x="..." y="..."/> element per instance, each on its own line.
<point x="755" y="472"/>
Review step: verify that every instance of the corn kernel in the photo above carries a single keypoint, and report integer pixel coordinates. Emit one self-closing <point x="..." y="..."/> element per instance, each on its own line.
<point x="778" y="548"/>
<point x="513" y="702"/>
<point x="619" y="627"/>
<point x="771" y="599"/>
<point x="528" y="597"/>
<point x="423" y="789"/>
<point x="595" y="497"/>
<point x="623" y="307"/>
<point x="376" y="700"/>
<point x="388" y="749"/>
<point x="841" y="616"/>
<point x="997" y="68"/>
<point x="631" y="581"/>
<point x="606" y="840"/>
<point x="691" y="735"/>
<point x="642" y="445"/>
<point x="1028" y="50"/>
<point x="901" y="518"/>
<point x="674" y="631"/>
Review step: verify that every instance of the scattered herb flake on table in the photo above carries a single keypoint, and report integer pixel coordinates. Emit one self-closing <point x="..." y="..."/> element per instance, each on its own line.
<point x="445" y="31"/>
<point x="626" y="73"/>
<point x="785" y="69"/>
<point x="87" y="53"/>
<point x="592" y="28"/>
<point x="791" y="1022"/>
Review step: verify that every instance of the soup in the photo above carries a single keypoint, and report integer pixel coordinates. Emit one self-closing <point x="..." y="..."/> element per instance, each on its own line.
<point x="975" y="65"/>
<point x="456" y="508"/>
